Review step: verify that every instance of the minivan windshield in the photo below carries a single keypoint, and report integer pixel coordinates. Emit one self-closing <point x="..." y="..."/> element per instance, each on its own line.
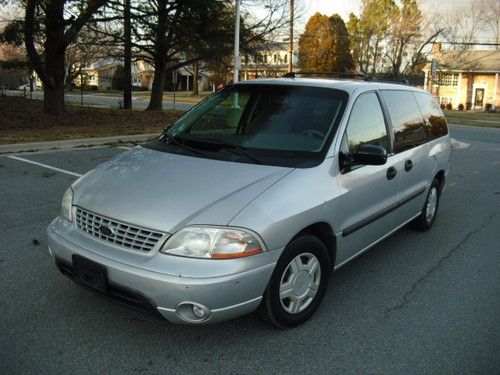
<point x="261" y="123"/>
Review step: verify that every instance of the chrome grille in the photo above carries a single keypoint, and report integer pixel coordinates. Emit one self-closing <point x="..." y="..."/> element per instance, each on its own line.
<point x="124" y="235"/>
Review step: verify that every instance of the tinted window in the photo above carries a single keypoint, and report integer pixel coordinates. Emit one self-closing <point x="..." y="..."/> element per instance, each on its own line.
<point x="366" y="123"/>
<point x="409" y="130"/>
<point x="435" y="123"/>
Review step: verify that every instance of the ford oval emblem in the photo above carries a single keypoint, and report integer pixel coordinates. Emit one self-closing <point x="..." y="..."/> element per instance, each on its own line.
<point x="105" y="230"/>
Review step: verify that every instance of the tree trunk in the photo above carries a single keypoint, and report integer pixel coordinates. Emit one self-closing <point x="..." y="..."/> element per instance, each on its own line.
<point x="156" y="100"/>
<point x="53" y="98"/>
<point x="127" y="57"/>
<point x="195" y="78"/>
<point x="55" y="49"/>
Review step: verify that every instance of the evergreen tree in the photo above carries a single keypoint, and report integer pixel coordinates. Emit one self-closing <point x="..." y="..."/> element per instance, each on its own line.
<point x="324" y="45"/>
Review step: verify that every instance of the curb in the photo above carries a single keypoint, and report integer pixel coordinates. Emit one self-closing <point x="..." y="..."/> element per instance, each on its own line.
<point x="73" y="143"/>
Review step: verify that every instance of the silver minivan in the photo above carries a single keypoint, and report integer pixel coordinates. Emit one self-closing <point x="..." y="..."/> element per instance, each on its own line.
<point x="251" y="198"/>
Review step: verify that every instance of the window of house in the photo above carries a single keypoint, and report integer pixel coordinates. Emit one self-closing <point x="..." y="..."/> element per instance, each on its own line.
<point x="446" y="99"/>
<point x="285" y="59"/>
<point x="447" y="79"/>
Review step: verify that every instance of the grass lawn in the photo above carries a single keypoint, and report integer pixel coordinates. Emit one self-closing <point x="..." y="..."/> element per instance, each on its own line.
<point x="473" y="118"/>
<point x="22" y="120"/>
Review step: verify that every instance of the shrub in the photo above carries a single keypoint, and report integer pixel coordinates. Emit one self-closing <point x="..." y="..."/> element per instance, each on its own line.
<point x="442" y="106"/>
<point x="449" y="106"/>
<point x="488" y="107"/>
<point x="460" y="107"/>
<point x="468" y="106"/>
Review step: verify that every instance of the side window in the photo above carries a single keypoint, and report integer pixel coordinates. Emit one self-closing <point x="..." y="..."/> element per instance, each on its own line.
<point x="435" y="122"/>
<point x="407" y="122"/>
<point x="366" y="124"/>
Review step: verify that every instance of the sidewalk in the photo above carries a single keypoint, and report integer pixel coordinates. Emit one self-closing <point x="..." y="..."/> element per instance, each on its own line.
<point x="74" y="143"/>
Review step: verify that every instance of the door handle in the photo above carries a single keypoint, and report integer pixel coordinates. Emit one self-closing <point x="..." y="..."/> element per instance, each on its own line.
<point x="408" y="165"/>
<point x="391" y="173"/>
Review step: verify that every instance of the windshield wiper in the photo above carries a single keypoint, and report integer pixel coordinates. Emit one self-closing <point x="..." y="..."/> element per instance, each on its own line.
<point x="232" y="147"/>
<point x="175" y="141"/>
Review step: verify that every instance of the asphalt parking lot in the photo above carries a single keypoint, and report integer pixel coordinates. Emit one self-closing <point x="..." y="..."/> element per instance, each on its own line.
<point x="416" y="303"/>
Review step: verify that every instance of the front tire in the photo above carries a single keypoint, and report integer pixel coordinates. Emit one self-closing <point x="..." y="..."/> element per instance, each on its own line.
<point x="429" y="211"/>
<point x="298" y="283"/>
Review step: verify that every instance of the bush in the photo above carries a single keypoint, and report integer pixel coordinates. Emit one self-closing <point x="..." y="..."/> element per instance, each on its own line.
<point x="443" y="106"/>
<point x="488" y="107"/>
<point x="468" y="106"/>
<point x="449" y="107"/>
<point x="93" y="88"/>
<point x="461" y="107"/>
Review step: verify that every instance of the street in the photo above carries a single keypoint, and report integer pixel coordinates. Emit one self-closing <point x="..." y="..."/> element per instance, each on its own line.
<point x="415" y="303"/>
<point x="104" y="101"/>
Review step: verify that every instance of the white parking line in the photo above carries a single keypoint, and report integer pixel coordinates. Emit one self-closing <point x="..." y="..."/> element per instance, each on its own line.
<point x="44" y="166"/>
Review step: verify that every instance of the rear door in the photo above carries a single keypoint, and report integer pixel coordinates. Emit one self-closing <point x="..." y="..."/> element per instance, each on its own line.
<point x="411" y="151"/>
<point x="368" y="192"/>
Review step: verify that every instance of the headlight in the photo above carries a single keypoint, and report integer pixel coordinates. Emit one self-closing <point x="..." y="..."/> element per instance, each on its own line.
<point x="66" y="204"/>
<point x="213" y="243"/>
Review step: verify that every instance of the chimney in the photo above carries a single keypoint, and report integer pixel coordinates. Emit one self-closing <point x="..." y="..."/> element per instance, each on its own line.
<point x="436" y="48"/>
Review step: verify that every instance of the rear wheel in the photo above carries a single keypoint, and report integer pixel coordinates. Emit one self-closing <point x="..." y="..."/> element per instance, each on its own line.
<point x="429" y="211"/>
<point x="298" y="283"/>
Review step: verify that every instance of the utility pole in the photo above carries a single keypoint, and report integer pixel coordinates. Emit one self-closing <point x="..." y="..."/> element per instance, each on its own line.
<point x="127" y="57"/>
<point x="290" y="52"/>
<point x="236" y="43"/>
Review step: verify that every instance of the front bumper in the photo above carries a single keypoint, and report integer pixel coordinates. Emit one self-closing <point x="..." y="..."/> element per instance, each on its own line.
<point x="228" y="288"/>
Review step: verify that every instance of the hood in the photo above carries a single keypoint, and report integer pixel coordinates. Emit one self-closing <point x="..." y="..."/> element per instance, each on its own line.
<point x="166" y="191"/>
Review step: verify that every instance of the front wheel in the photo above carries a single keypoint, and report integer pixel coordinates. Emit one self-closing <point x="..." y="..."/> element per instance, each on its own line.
<point x="429" y="211"/>
<point x="298" y="283"/>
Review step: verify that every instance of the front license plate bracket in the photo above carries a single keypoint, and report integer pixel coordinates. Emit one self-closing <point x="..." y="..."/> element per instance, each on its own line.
<point x="90" y="274"/>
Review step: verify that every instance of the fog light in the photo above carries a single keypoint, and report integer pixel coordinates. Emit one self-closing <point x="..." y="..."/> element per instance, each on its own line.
<point x="198" y="311"/>
<point x="193" y="312"/>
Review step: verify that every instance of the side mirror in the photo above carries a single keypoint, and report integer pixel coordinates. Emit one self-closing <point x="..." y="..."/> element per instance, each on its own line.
<point x="370" y="155"/>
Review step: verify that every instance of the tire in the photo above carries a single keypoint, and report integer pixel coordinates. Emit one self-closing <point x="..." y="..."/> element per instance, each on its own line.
<point x="429" y="211"/>
<point x="303" y="272"/>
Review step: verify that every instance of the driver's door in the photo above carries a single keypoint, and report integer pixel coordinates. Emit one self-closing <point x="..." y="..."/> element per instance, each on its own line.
<point x="368" y="192"/>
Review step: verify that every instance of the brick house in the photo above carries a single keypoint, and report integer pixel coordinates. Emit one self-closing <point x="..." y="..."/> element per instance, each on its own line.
<point x="470" y="78"/>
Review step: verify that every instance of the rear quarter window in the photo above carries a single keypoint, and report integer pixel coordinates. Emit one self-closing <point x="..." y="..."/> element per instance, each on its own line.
<point x="406" y="118"/>
<point x="435" y="122"/>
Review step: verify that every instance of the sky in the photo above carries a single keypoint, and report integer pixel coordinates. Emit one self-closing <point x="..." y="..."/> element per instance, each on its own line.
<point x="329" y="7"/>
<point x="345" y="7"/>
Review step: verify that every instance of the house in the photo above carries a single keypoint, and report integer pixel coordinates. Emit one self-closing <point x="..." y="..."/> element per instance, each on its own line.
<point x="271" y="59"/>
<point x="469" y="78"/>
<point x="104" y="75"/>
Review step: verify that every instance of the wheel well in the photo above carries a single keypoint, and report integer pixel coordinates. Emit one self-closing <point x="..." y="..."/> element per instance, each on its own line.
<point x="441" y="178"/>
<point x="325" y="233"/>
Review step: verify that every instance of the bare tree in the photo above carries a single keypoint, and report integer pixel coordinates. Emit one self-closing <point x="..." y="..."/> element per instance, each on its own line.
<point x="59" y="33"/>
<point x="463" y="24"/>
<point x="490" y="17"/>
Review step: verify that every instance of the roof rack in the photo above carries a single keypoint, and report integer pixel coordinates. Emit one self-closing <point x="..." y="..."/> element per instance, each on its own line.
<point x="362" y="76"/>
<point x="338" y="74"/>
